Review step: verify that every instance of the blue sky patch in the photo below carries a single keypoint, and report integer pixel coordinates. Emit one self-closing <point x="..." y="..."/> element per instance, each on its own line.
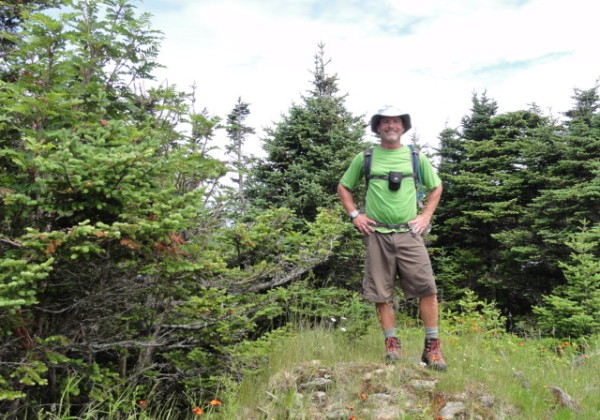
<point x="511" y="66"/>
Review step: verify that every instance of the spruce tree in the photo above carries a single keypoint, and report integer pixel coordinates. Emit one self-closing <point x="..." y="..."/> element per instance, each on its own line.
<point x="308" y="151"/>
<point x="483" y="213"/>
<point x="237" y="132"/>
<point x="570" y="194"/>
<point x="92" y="207"/>
<point x="572" y="310"/>
<point x="12" y="16"/>
<point x="457" y="231"/>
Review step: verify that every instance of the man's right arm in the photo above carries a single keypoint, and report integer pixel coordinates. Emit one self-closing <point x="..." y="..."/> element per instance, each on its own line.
<point x="361" y="221"/>
<point x="346" y="198"/>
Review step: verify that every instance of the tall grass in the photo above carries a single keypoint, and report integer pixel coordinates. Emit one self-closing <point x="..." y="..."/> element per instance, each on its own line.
<point x="515" y="372"/>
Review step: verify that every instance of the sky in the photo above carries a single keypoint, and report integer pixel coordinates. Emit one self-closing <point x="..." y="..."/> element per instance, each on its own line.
<point x="426" y="57"/>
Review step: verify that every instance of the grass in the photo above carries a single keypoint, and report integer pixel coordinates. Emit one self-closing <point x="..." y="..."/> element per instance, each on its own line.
<point x="324" y="372"/>
<point x="515" y="373"/>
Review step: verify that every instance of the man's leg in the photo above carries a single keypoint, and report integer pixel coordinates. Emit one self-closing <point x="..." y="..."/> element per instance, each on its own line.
<point x="378" y="287"/>
<point x="385" y="312"/>
<point x="415" y="269"/>
<point x="432" y="354"/>
<point x="428" y="305"/>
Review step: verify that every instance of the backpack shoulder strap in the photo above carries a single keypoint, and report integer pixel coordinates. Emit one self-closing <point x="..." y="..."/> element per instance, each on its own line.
<point x="416" y="167"/>
<point x="368" y="157"/>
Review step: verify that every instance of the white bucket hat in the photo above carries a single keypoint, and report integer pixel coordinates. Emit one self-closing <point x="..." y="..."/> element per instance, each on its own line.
<point x="390" y="111"/>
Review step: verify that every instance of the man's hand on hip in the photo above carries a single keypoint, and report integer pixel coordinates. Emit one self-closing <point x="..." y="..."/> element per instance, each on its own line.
<point x="364" y="224"/>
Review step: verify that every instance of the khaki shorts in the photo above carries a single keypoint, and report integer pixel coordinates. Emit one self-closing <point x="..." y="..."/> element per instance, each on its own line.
<point x="391" y="255"/>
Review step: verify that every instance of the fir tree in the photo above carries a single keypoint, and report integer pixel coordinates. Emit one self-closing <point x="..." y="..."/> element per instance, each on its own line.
<point x="237" y="132"/>
<point x="308" y="151"/>
<point x="572" y="310"/>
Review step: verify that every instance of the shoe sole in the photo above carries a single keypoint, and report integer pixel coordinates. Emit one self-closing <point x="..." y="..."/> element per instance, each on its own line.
<point x="391" y="358"/>
<point x="434" y="366"/>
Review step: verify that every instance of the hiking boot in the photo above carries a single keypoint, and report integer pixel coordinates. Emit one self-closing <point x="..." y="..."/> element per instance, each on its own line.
<point x="432" y="354"/>
<point x="392" y="348"/>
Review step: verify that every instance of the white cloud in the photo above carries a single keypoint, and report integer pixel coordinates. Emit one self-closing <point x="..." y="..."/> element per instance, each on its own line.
<point x="426" y="56"/>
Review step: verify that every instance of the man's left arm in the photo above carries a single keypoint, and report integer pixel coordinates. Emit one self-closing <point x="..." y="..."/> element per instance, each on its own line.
<point x="420" y="223"/>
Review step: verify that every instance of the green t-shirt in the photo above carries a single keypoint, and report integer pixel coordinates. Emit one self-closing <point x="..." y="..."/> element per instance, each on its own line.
<point x="384" y="205"/>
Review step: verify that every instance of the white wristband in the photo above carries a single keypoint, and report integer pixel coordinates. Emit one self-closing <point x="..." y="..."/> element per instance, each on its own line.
<point x="353" y="214"/>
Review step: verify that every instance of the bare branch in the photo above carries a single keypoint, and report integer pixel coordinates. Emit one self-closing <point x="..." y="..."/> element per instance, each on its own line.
<point x="11" y="243"/>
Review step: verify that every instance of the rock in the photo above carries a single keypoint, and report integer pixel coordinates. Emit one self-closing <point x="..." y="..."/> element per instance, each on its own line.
<point x="383" y="397"/>
<point x="524" y="382"/>
<point x="319" y="398"/>
<point x="487" y="401"/>
<point x="423" y="384"/>
<point x="382" y="413"/>
<point x="452" y="409"/>
<point x="563" y="399"/>
<point x="319" y="384"/>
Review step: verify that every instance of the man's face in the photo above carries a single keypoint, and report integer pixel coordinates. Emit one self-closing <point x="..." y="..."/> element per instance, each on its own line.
<point x="390" y="129"/>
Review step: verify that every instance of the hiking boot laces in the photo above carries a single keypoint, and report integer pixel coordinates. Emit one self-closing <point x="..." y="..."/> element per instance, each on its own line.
<point x="392" y="347"/>
<point x="432" y="354"/>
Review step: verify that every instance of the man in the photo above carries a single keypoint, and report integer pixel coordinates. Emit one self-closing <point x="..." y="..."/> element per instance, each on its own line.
<point x="392" y="230"/>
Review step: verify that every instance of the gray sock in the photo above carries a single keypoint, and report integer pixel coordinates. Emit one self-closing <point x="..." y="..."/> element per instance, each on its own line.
<point x="389" y="333"/>
<point x="431" y="332"/>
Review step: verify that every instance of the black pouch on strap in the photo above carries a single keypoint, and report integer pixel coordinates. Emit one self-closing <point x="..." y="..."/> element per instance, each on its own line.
<point x="394" y="180"/>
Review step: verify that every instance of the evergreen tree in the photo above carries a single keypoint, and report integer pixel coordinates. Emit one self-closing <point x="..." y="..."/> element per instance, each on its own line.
<point x="516" y="185"/>
<point x="567" y="162"/>
<point x="237" y="132"/>
<point x="483" y="213"/>
<point x="564" y="164"/>
<point x="452" y="154"/>
<point x="307" y="154"/>
<point x="477" y="130"/>
<point x="308" y="151"/>
<point x="12" y="16"/>
<point x="476" y="126"/>
<point x="513" y="278"/>
<point x="449" y="273"/>
<point x="456" y="231"/>
<point x="572" y="310"/>
<point x="91" y="213"/>
<point x="117" y="270"/>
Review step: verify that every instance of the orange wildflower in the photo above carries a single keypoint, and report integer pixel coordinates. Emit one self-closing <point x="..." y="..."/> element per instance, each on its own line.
<point x="363" y="396"/>
<point x="142" y="403"/>
<point x="215" y="402"/>
<point x="197" y="411"/>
